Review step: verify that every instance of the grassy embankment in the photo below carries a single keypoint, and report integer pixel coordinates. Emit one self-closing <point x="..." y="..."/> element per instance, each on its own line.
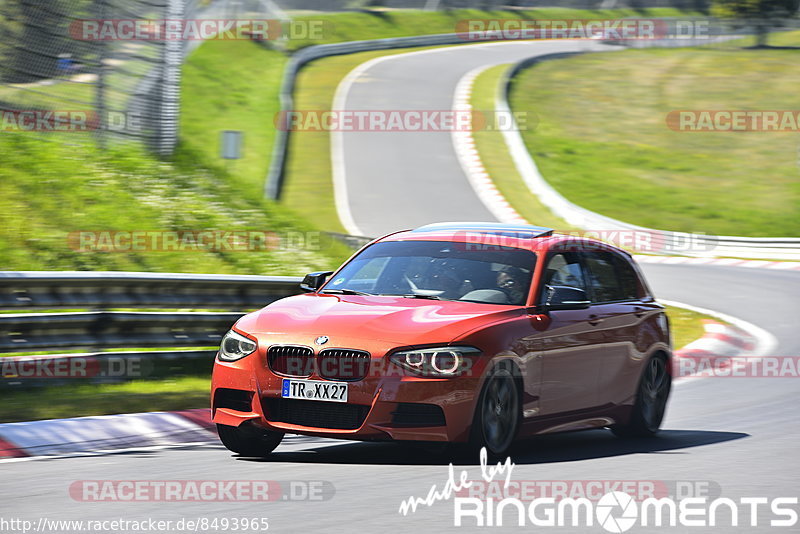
<point x="603" y="142"/>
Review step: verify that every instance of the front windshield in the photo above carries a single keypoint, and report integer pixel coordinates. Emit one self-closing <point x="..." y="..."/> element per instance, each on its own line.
<point x="439" y="270"/>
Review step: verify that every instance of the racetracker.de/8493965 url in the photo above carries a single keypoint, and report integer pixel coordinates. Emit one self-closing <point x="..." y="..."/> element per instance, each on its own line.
<point x="135" y="526"/>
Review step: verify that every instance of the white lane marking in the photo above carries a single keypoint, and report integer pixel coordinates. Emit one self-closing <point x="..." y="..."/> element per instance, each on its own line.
<point x="469" y="159"/>
<point x="340" y="194"/>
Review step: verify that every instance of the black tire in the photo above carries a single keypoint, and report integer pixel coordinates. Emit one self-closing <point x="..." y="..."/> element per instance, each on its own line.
<point x="497" y="414"/>
<point x="651" y="401"/>
<point x="249" y="440"/>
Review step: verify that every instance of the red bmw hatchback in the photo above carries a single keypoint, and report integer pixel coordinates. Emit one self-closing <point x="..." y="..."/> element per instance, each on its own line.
<point x="472" y="333"/>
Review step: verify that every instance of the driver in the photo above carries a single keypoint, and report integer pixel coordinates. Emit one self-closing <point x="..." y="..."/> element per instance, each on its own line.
<point x="446" y="279"/>
<point x="511" y="281"/>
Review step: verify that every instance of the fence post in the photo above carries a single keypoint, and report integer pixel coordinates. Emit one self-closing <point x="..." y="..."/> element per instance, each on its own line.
<point x="100" y="91"/>
<point x="169" y="102"/>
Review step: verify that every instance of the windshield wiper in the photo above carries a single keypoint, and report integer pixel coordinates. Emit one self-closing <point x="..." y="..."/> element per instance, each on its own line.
<point x="418" y="296"/>
<point x="346" y="292"/>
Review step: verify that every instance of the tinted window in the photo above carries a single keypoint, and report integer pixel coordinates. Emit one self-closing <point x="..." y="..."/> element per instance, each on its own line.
<point x="610" y="277"/>
<point x="449" y="271"/>
<point x="628" y="280"/>
<point x="563" y="269"/>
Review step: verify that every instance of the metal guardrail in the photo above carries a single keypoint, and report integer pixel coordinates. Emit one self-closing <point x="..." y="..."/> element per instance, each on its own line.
<point x="31" y="332"/>
<point x="102" y="290"/>
<point x="47" y="331"/>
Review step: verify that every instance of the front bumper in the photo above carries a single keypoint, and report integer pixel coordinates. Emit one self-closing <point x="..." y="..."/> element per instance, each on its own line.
<point x="386" y="405"/>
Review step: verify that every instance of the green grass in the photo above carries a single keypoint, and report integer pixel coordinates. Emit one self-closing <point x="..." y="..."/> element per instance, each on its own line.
<point x="104" y="399"/>
<point x="686" y="325"/>
<point x="186" y="392"/>
<point x="49" y="189"/>
<point x="602" y="140"/>
<point x="232" y="85"/>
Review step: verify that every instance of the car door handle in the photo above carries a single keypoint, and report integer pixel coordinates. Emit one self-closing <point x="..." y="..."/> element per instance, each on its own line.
<point x="595" y="320"/>
<point x="639" y="312"/>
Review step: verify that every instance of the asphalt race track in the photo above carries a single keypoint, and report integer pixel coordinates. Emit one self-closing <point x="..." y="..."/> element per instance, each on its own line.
<point x="738" y="435"/>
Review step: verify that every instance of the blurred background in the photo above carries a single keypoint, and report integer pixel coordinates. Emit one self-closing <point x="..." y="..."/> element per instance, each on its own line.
<point x="156" y="160"/>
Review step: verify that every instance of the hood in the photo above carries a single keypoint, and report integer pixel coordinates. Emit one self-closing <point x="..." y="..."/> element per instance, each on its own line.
<point x="403" y="321"/>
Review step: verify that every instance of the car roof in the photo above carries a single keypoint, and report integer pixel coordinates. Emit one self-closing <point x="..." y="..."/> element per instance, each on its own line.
<point x="523" y="236"/>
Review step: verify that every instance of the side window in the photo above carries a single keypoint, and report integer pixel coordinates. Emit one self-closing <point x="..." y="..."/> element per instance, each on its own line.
<point x="611" y="278"/>
<point x="563" y="269"/>
<point x="628" y="280"/>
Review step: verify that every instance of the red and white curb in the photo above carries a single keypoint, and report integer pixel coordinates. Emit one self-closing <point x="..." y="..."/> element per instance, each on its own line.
<point x="104" y="434"/>
<point x="736" y="339"/>
<point x="727" y="262"/>
<point x="470" y="160"/>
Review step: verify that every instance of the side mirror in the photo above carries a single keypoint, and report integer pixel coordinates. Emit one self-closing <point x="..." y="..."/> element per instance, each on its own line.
<point x="566" y="298"/>
<point x="313" y="281"/>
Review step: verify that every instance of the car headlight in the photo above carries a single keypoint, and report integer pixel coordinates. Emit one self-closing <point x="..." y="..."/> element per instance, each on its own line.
<point x="235" y="346"/>
<point x="438" y="362"/>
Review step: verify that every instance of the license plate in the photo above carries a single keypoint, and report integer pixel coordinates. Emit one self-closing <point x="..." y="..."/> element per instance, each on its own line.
<point x="320" y="390"/>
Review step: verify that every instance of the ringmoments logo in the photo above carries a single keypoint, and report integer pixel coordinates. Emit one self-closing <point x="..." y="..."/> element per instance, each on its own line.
<point x="624" y="506"/>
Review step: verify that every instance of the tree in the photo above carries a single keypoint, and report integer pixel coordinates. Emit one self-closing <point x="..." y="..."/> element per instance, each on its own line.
<point x="762" y="15"/>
